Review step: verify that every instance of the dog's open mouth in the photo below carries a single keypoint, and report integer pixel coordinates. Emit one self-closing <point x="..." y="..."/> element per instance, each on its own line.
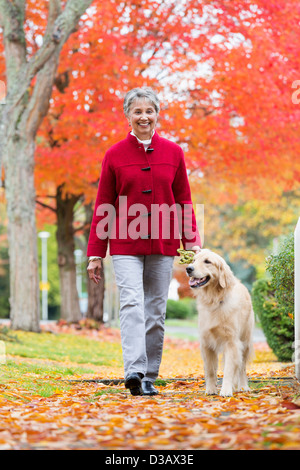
<point x="198" y="282"/>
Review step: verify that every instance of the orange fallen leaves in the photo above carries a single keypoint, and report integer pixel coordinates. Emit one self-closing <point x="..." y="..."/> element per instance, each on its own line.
<point x="91" y="415"/>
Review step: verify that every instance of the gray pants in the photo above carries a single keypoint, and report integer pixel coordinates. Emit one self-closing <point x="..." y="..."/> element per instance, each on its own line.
<point x="143" y="283"/>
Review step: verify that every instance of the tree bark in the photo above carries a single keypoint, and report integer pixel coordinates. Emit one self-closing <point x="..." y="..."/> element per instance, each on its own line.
<point x="20" y="196"/>
<point x="70" y="309"/>
<point x="25" y="107"/>
<point x="95" y="299"/>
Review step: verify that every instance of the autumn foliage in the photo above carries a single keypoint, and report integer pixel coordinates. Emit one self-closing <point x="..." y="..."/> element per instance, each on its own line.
<point x="58" y="402"/>
<point x="224" y="71"/>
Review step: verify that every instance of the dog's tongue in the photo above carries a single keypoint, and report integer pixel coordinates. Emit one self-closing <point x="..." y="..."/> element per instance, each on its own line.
<point x="193" y="281"/>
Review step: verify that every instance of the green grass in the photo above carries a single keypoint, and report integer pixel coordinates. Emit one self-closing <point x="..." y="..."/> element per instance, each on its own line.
<point x="65" y="347"/>
<point x="42" y="363"/>
<point x="35" y="379"/>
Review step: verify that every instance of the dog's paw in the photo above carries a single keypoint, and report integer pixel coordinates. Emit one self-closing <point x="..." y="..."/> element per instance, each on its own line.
<point x="244" y="388"/>
<point x="226" y="392"/>
<point x="211" y="391"/>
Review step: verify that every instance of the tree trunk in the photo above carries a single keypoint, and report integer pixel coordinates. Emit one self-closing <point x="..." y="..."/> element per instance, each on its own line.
<point x="95" y="299"/>
<point x="95" y="291"/>
<point x="20" y="196"/>
<point x="26" y="105"/>
<point x="70" y="309"/>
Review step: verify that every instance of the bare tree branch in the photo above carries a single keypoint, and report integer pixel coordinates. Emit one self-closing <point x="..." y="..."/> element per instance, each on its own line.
<point x="57" y="31"/>
<point x="46" y="206"/>
<point x="59" y="28"/>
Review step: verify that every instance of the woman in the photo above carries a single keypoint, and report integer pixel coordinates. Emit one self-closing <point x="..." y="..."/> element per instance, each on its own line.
<point x="143" y="174"/>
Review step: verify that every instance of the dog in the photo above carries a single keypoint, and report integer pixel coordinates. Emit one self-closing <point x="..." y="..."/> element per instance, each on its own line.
<point x="226" y="321"/>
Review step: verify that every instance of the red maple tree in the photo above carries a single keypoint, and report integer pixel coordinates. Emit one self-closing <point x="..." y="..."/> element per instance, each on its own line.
<point x="224" y="70"/>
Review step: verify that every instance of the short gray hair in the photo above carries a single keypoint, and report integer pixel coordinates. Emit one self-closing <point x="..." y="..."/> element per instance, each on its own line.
<point x="136" y="93"/>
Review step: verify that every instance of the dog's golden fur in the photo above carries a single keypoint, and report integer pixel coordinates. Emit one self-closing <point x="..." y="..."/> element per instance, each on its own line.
<point x="226" y="321"/>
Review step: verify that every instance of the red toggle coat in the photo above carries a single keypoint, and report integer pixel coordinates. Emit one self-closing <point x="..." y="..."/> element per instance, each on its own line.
<point x="143" y="204"/>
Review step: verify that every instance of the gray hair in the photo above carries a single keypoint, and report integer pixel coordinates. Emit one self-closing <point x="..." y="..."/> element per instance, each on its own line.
<point x="136" y="93"/>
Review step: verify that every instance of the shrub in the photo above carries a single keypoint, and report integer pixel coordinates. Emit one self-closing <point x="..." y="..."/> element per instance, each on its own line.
<point x="276" y="324"/>
<point x="281" y="268"/>
<point x="183" y="308"/>
<point x="273" y="301"/>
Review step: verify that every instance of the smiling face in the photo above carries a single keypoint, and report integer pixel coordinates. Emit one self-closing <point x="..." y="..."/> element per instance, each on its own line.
<point x="208" y="268"/>
<point x="143" y="118"/>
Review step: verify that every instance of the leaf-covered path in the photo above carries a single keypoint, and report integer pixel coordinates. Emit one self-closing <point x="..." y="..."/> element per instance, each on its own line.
<point x="82" y="412"/>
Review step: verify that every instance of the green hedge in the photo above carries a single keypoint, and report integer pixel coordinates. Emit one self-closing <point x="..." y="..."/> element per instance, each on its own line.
<point x="183" y="308"/>
<point x="273" y="301"/>
<point x="281" y="268"/>
<point x="277" y="326"/>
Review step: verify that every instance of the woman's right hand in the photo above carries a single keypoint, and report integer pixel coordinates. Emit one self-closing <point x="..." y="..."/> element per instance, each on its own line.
<point x="94" y="270"/>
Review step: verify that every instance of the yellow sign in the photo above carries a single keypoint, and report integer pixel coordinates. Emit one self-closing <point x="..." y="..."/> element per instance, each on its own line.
<point x="44" y="285"/>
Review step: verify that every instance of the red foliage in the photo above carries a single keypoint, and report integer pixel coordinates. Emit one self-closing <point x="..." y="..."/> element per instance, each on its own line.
<point x="224" y="70"/>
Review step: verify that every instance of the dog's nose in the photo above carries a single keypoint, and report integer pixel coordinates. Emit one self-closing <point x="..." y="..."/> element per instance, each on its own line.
<point x="190" y="269"/>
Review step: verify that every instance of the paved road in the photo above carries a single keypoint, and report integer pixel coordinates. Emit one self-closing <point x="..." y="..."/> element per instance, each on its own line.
<point x="179" y="331"/>
<point x="192" y="333"/>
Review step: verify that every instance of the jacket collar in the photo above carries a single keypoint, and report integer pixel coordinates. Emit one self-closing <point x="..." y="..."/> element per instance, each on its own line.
<point x="132" y="139"/>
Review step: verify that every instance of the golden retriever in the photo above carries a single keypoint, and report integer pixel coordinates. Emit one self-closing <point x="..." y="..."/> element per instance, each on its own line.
<point x="226" y="321"/>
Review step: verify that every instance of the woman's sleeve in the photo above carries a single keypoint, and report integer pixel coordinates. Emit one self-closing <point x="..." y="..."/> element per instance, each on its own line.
<point x="181" y="189"/>
<point x="104" y="213"/>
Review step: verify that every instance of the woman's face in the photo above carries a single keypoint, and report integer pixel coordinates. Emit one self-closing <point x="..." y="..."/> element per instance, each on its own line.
<point x="143" y="118"/>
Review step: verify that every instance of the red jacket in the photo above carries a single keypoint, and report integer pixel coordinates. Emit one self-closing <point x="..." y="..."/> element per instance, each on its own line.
<point x="137" y="188"/>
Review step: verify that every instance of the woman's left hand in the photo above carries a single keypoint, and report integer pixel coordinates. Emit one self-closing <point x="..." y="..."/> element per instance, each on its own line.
<point x="196" y="249"/>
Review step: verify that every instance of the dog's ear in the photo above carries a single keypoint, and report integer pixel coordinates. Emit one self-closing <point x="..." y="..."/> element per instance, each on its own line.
<point x="225" y="275"/>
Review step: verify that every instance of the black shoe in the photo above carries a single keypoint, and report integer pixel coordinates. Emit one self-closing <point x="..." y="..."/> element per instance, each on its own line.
<point x="148" y="388"/>
<point x="134" y="383"/>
